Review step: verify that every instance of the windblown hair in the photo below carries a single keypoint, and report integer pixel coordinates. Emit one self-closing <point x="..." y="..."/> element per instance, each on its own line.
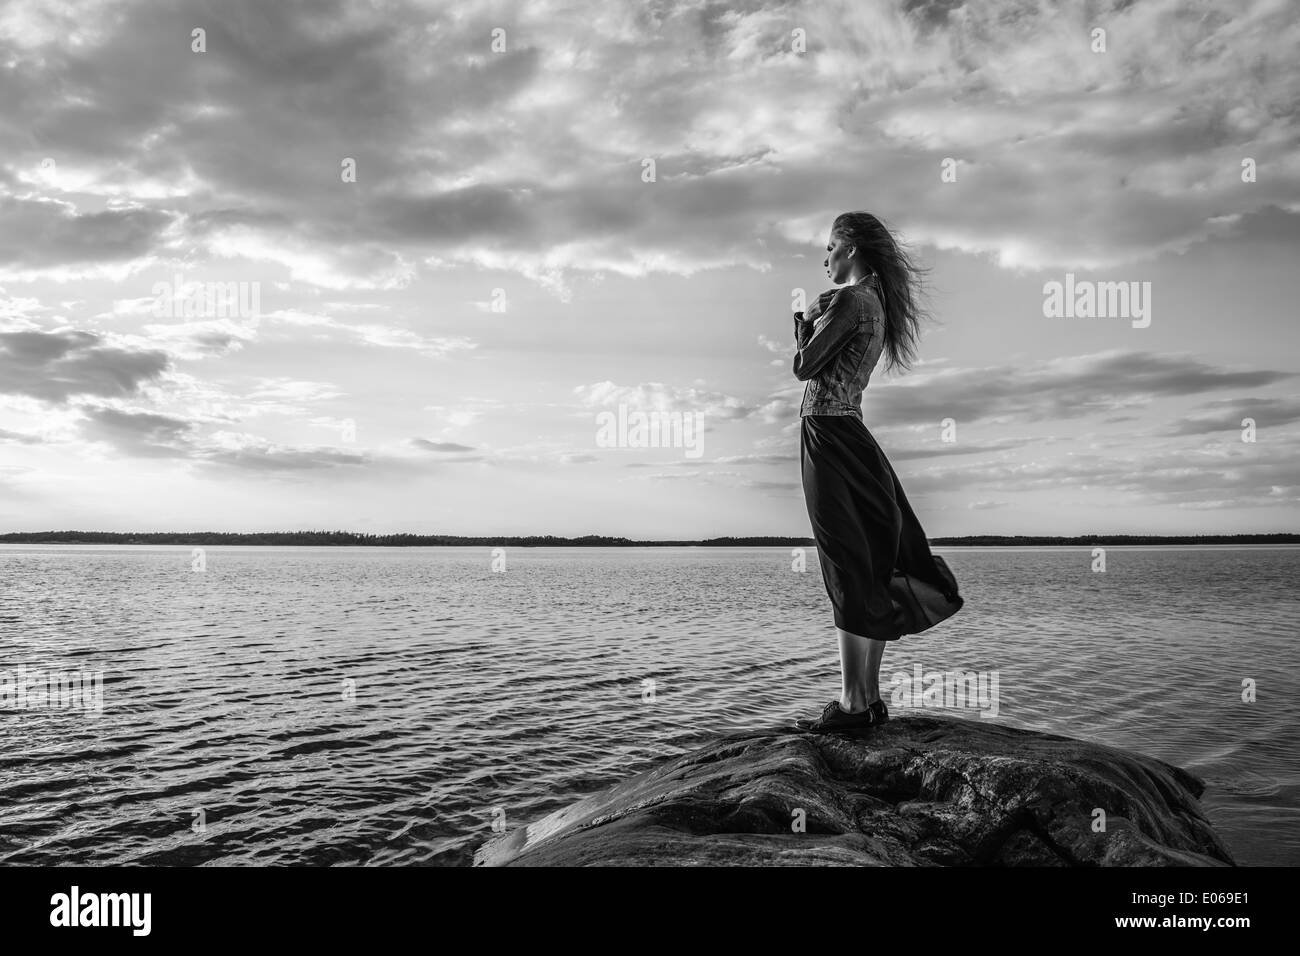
<point x="900" y="282"/>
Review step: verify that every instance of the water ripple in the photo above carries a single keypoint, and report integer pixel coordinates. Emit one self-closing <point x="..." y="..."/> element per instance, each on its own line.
<point x="361" y="707"/>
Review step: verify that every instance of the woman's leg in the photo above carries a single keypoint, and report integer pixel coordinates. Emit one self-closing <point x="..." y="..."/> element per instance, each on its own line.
<point x="859" y="670"/>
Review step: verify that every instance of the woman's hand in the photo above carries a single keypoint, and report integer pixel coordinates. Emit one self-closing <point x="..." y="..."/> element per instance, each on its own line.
<point x="819" y="306"/>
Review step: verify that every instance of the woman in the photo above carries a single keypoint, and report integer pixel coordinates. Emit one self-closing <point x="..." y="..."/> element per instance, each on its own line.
<point x="882" y="580"/>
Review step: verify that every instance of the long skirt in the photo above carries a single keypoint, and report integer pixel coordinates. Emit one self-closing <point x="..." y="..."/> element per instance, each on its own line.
<point x="882" y="580"/>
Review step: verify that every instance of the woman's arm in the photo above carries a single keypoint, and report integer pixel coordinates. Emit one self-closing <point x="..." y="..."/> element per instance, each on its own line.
<point x="802" y="329"/>
<point x="829" y="332"/>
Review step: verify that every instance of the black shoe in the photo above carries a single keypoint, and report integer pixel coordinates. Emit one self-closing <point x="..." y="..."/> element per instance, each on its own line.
<point x="833" y="718"/>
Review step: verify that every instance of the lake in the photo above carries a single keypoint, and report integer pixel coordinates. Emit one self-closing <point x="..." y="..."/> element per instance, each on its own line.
<point x="367" y="706"/>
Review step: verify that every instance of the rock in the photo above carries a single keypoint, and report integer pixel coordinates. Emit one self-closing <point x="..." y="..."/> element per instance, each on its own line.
<point x="923" y="789"/>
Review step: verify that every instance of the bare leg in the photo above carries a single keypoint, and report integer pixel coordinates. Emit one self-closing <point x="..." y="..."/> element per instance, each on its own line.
<point x="859" y="670"/>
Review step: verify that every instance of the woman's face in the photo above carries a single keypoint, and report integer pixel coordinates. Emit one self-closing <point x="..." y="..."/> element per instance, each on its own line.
<point x="837" y="259"/>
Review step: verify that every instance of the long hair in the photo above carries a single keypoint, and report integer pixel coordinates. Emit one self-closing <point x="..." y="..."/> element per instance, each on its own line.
<point x="899" y="279"/>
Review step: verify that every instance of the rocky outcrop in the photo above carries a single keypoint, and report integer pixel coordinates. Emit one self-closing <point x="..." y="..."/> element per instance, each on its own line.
<point x="919" y="790"/>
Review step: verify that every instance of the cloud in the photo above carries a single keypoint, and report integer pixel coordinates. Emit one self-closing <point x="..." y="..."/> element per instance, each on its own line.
<point x="787" y="486"/>
<point x="369" y="333"/>
<point x="1056" y="389"/>
<point x="57" y="366"/>
<point x="700" y="476"/>
<point x="1248" y="475"/>
<point x="439" y="446"/>
<point x="139" y="434"/>
<point x="20" y="438"/>
<point x="1227" y="415"/>
<point x="738" y="124"/>
<point x="261" y="456"/>
<point x="250" y="397"/>
<point x="468" y="412"/>
<point x="15" y="312"/>
<point x="720" y="460"/>
<point x="660" y="397"/>
<point x="197" y="340"/>
<point x="282" y="389"/>
<point x="43" y="233"/>
<point x="945" y="450"/>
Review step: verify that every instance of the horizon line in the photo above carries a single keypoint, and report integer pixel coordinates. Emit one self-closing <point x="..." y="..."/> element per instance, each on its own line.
<point x="404" y="538"/>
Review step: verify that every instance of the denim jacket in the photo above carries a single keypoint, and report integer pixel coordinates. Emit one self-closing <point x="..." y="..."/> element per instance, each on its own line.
<point x="839" y="350"/>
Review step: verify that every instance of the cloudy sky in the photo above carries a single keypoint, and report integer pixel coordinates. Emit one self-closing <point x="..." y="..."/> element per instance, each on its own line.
<point x="458" y="233"/>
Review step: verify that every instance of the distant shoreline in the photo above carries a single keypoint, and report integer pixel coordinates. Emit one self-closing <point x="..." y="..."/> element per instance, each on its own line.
<point x="352" y="539"/>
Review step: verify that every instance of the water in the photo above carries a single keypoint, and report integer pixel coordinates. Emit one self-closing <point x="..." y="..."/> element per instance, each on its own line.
<point x="362" y="706"/>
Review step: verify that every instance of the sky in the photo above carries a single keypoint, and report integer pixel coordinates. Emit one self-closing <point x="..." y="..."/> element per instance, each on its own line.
<point x="458" y="237"/>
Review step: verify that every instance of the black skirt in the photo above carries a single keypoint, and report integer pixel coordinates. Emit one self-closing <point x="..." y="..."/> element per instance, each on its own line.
<point x="882" y="580"/>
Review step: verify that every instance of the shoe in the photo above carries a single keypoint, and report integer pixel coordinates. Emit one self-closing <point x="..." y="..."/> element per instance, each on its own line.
<point x="833" y="718"/>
